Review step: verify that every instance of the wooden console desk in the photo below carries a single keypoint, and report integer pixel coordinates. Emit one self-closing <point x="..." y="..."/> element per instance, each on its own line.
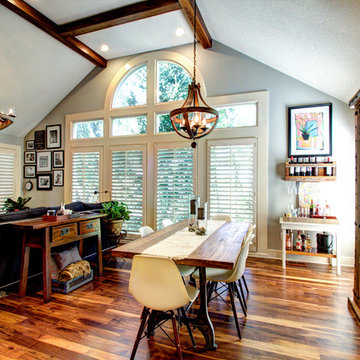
<point x="46" y="235"/>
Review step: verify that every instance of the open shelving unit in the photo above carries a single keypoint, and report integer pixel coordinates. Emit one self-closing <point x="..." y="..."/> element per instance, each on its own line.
<point x="322" y="172"/>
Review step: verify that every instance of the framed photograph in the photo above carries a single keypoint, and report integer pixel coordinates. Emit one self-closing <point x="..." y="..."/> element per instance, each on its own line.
<point x="30" y="157"/>
<point x="39" y="139"/>
<point x="29" y="171"/>
<point x="43" y="163"/>
<point x="58" y="159"/>
<point x="310" y="130"/>
<point x="44" y="182"/>
<point x="58" y="178"/>
<point x="30" y="145"/>
<point x="53" y="137"/>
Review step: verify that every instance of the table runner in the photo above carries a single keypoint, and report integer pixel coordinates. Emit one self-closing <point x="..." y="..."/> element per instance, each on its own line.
<point x="182" y="243"/>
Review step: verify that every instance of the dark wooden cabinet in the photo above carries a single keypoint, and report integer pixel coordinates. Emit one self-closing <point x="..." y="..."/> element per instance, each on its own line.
<point x="354" y="303"/>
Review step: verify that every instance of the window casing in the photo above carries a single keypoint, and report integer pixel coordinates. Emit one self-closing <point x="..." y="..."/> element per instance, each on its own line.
<point x="154" y="140"/>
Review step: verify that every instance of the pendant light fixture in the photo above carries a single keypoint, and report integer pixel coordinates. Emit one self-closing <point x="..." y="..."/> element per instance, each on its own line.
<point x="6" y="117"/>
<point x="195" y="118"/>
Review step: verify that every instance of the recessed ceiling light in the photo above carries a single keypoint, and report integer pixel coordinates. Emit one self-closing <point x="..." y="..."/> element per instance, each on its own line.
<point x="179" y="31"/>
<point x="104" y="47"/>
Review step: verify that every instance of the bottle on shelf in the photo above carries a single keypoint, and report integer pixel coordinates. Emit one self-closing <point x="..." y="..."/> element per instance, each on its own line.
<point x="328" y="170"/>
<point x="308" y="171"/>
<point x="315" y="171"/>
<point x="288" y="240"/>
<point x="291" y="160"/>
<point x="312" y="208"/>
<point x="303" y="238"/>
<point x="308" y="243"/>
<point x="298" y="244"/>
<point x="303" y="171"/>
<point x="291" y="171"/>
<point x="297" y="170"/>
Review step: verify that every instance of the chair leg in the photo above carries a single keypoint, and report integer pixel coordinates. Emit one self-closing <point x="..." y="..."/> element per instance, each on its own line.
<point x="241" y="299"/>
<point x="246" y="287"/>
<point x="176" y="334"/>
<point x="242" y="294"/>
<point x="211" y="290"/>
<point x="231" y="292"/>
<point x="186" y="322"/>
<point x="144" y="316"/>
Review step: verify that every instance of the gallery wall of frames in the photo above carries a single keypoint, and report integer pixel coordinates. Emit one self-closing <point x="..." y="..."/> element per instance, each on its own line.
<point x="43" y="159"/>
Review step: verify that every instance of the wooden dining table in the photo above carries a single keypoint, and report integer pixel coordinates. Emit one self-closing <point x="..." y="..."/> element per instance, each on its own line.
<point x="220" y="250"/>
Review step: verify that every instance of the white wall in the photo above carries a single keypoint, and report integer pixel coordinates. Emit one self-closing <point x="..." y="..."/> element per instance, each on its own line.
<point x="227" y="71"/>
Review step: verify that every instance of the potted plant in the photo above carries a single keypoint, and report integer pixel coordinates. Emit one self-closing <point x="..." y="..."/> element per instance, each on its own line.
<point x="116" y="213"/>
<point x="12" y="205"/>
<point x="306" y="131"/>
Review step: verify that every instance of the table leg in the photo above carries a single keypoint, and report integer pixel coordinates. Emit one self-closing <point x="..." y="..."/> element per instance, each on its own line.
<point x="46" y="265"/>
<point x="338" y="255"/>
<point x="203" y="322"/>
<point x="24" y="266"/>
<point x="283" y="242"/>
<point x="99" y="253"/>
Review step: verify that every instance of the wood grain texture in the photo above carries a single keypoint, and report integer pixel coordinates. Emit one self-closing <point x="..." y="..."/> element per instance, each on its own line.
<point x="220" y="249"/>
<point x="300" y="313"/>
<point x="119" y="16"/>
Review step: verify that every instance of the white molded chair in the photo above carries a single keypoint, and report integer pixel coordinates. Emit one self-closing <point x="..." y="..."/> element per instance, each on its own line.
<point x="167" y="222"/>
<point x="185" y="270"/>
<point x="145" y="231"/>
<point x="231" y="278"/>
<point x="156" y="283"/>
<point x="224" y="217"/>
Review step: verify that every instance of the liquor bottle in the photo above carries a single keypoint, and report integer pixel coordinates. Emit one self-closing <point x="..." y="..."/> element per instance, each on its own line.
<point x="303" y="171"/>
<point x="291" y="171"/>
<point x="312" y="208"/>
<point x="308" y="171"/>
<point x="328" y="171"/>
<point x="298" y="242"/>
<point x="300" y="160"/>
<point x="291" y="160"/>
<point x="315" y="171"/>
<point x="308" y="243"/>
<point x="303" y="238"/>
<point x="288" y="240"/>
<point x="297" y="170"/>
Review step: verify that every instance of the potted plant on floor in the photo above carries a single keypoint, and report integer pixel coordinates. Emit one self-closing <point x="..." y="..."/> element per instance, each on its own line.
<point x="116" y="213"/>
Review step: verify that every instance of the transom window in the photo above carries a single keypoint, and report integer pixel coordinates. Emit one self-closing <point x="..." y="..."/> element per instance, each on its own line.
<point x="132" y="89"/>
<point x="88" y="129"/>
<point x="134" y="125"/>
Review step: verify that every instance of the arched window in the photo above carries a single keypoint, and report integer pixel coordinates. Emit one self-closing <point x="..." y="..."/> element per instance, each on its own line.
<point x="131" y="90"/>
<point x="172" y="81"/>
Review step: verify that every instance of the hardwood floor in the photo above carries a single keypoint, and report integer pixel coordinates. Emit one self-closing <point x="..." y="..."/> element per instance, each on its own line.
<point x="300" y="313"/>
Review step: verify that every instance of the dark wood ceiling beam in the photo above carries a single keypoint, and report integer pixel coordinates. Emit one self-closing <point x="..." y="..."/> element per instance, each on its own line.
<point x="119" y="16"/>
<point x="30" y="14"/>
<point x="202" y="33"/>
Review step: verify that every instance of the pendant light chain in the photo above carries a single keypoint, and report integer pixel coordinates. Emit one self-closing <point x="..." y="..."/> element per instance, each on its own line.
<point x="194" y="79"/>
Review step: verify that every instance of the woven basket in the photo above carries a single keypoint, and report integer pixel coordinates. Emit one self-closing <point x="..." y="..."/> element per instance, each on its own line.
<point x="114" y="227"/>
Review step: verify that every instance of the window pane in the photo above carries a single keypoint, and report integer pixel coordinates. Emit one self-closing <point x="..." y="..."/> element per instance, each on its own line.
<point x="174" y="184"/>
<point x="88" y="129"/>
<point x="173" y="82"/>
<point x="7" y="177"/>
<point x="237" y="116"/>
<point x="85" y="176"/>
<point x="132" y="89"/>
<point x="232" y="181"/>
<point x="163" y="123"/>
<point x="127" y="184"/>
<point x="129" y="126"/>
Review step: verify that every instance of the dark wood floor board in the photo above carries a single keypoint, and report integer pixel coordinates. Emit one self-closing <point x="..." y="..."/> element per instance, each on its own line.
<point x="300" y="313"/>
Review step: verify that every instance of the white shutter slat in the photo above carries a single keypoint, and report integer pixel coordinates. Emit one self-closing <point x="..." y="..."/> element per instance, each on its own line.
<point x="127" y="184"/>
<point x="174" y="184"/>
<point x="7" y="177"/>
<point x="232" y="181"/>
<point x="85" y="176"/>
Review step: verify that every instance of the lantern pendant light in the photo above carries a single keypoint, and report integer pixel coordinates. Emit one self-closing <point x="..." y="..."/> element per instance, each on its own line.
<point x="195" y="118"/>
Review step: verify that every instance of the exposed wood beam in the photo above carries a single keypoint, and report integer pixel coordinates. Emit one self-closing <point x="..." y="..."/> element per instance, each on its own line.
<point x="202" y="33"/>
<point x="30" y="14"/>
<point x="122" y="15"/>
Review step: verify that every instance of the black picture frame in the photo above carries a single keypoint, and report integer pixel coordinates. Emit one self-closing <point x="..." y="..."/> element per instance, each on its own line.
<point x="39" y="139"/>
<point x="30" y="145"/>
<point x="58" y="159"/>
<point x="310" y="130"/>
<point x="44" y="182"/>
<point x="44" y="161"/>
<point x="53" y="136"/>
<point x="26" y="171"/>
<point x="58" y="178"/>
<point x="29" y="157"/>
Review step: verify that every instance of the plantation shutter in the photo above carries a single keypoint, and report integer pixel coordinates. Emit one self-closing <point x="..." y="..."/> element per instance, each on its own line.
<point x="232" y="180"/>
<point x="7" y="177"/>
<point x="85" y="176"/>
<point x="174" y="184"/>
<point x="127" y="184"/>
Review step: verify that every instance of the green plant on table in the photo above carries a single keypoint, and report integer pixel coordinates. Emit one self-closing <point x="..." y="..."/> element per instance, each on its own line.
<point x="116" y="211"/>
<point x="12" y="205"/>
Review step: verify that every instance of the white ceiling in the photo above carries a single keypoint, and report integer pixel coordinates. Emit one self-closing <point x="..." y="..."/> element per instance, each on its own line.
<point x="314" y="41"/>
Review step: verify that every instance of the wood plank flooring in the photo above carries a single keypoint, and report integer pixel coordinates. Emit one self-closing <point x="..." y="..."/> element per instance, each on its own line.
<point x="300" y="313"/>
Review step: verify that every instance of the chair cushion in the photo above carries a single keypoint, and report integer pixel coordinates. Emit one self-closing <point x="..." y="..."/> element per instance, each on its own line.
<point x="193" y="292"/>
<point x="213" y="274"/>
<point x="186" y="270"/>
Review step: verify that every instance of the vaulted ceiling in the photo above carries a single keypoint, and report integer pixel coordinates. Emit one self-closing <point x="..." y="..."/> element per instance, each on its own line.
<point x="314" y="41"/>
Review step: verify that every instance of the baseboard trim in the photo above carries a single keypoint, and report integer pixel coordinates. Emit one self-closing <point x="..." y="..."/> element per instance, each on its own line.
<point x="277" y="255"/>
